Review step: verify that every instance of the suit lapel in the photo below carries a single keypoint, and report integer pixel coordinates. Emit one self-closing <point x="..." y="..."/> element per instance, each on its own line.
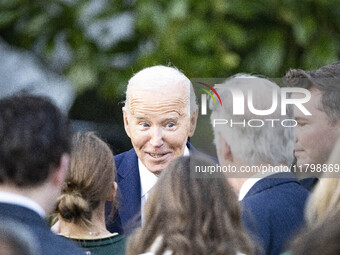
<point x="129" y="187"/>
<point x="129" y="184"/>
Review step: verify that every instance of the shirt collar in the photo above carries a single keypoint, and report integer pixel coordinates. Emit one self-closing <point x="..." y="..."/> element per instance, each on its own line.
<point x="16" y="199"/>
<point x="147" y="178"/>
<point x="249" y="183"/>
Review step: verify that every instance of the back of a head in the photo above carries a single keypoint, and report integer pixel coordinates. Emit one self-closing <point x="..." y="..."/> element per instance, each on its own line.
<point x="158" y="77"/>
<point x="326" y="79"/>
<point x="193" y="215"/>
<point x="33" y="136"/>
<point x="319" y="239"/>
<point x="89" y="179"/>
<point x="254" y="138"/>
<point x="307" y="77"/>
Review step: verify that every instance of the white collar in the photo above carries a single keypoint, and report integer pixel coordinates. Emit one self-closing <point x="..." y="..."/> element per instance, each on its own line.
<point x="147" y="178"/>
<point x="249" y="183"/>
<point x="246" y="186"/>
<point x="186" y="152"/>
<point x="16" y="199"/>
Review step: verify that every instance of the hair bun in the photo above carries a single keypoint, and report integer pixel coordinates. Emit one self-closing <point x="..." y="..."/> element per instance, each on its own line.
<point x="73" y="207"/>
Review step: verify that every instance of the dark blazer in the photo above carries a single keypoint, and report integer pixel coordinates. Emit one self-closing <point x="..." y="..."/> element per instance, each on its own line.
<point x="129" y="192"/>
<point x="273" y="211"/>
<point x="309" y="183"/>
<point x="49" y="243"/>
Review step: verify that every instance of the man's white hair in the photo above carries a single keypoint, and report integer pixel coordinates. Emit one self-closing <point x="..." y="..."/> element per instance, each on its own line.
<point x="156" y="77"/>
<point x="254" y="145"/>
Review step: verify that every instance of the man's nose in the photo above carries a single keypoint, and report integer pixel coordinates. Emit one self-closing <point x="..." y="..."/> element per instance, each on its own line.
<point x="156" y="137"/>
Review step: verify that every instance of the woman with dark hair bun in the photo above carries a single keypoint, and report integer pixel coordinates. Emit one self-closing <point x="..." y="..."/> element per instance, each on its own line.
<point x="188" y="215"/>
<point x="81" y="204"/>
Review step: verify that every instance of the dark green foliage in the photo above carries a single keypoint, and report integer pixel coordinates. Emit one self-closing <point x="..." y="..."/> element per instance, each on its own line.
<point x="214" y="38"/>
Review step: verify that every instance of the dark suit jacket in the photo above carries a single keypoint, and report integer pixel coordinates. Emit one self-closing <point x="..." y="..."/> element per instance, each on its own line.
<point x="273" y="211"/>
<point x="49" y="243"/>
<point x="309" y="183"/>
<point x="129" y="192"/>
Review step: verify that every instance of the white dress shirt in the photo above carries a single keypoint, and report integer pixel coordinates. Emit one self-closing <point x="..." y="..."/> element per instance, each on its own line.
<point x="148" y="180"/>
<point x="16" y="199"/>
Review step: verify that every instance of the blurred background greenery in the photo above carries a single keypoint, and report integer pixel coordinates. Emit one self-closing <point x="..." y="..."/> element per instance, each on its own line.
<point x="98" y="44"/>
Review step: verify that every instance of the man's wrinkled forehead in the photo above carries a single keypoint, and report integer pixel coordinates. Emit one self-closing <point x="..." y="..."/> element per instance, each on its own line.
<point x="164" y="101"/>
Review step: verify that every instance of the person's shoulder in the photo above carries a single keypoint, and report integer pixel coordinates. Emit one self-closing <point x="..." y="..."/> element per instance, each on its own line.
<point x="55" y="244"/>
<point x="287" y="196"/>
<point x="119" y="158"/>
<point x="108" y="245"/>
<point x="274" y="188"/>
<point x="67" y="247"/>
<point x="309" y="183"/>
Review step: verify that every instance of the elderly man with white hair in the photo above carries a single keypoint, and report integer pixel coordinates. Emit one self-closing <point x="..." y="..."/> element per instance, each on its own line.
<point x="256" y="140"/>
<point x="160" y="115"/>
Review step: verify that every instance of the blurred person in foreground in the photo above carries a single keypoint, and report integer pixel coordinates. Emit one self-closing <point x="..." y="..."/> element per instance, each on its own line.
<point x="34" y="156"/>
<point x="316" y="135"/>
<point x="190" y="215"/>
<point x="272" y="198"/>
<point x="322" y="233"/>
<point x="325" y="199"/>
<point x="81" y="206"/>
<point x="320" y="239"/>
<point x="17" y="239"/>
<point x="160" y="115"/>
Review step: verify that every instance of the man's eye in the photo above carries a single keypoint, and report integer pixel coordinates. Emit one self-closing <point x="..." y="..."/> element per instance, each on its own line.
<point x="301" y="124"/>
<point x="144" y="124"/>
<point x="170" y="125"/>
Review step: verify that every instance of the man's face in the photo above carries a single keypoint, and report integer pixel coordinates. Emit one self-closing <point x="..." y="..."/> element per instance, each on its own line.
<point x="158" y="125"/>
<point x="315" y="136"/>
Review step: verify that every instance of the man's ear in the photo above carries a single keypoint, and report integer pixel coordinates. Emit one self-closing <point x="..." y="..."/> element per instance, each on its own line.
<point x="126" y="121"/>
<point x="193" y="123"/>
<point x="59" y="174"/>
<point x="112" y="192"/>
<point x="224" y="152"/>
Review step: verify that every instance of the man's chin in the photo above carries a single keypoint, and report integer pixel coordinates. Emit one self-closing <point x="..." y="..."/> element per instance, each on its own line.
<point x="304" y="168"/>
<point x="157" y="169"/>
<point x="156" y="166"/>
<point x="301" y="164"/>
<point x="303" y="161"/>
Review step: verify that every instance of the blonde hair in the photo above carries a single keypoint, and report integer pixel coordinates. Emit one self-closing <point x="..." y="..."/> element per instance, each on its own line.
<point x="89" y="179"/>
<point x="325" y="199"/>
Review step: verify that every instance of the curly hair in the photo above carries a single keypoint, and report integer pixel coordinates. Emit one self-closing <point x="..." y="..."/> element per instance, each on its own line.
<point x="193" y="215"/>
